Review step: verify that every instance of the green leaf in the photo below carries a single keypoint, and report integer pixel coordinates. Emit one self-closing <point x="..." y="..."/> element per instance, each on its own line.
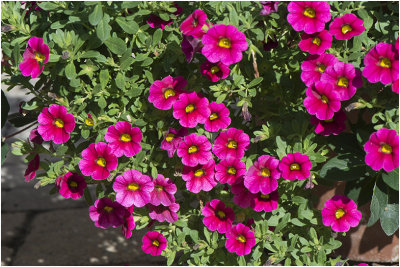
<point x="157" y="36"/>
<point x="344" y="167"/>
<point x="102" y="102"/>
<point x="171" y="257"/>
<point x="5" y="108"/>
<point x="104" y="78"/>
<point x="207" y="235"/>
<point x="90" y="54"/>
<point x="96" y="16"/>
<point x="47" y="5"/>
<point x="368" y="21"/>
<point x="392" y="179"/>
<point x="103" y="29"/>
<point x="220" y="98"/>
<point x="255" y="82"/>
<point x="4" y="151"/>
<point x="321" y="257"/>
<point x="378" y="202"/>
<point x="194" y="234"/>
<point x="88" y="197"/>
<point x="85" y="133"/>
<point x="120" y="80"/>
<point x="242" y="261"/>
<point x="116" y="45"/>
<point x="130" y="27"/>
<point x="281" y="151"/>
<point x="390" y="219"/>
<point x="70" y="71"/>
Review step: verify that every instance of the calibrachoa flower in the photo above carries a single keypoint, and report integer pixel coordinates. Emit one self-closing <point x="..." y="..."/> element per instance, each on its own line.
<point x="315" y="43"/>
<point x="224" y="43"/>
<point x="165" y="92"/>
<point x="219" y="117"/>
<point x="381" y="64"/>
<point x="241" y="195"/>
<point x="263" y="175"/>
<point x="172" y="140"/>
<point x="231" y="142"/>
<point x="322" y="100"/>
<point x="156" y="22"/>
<point x="229" y="169"/>
<point x="105" y="213"/>
<point x="124" y="139"/>
<point x="395" y="86"/>
<point x="295" y="166"/>
<point x="190" y="46"/>
<point x="340" y="213"/>
<point x="193" y="24"/>
<point x="55" y="124"/>
<point x="382" y="150"/>
<point x="133" y="188"/>
<point x="35" y="137"/>
<point x="33" y="166"/>
<point x="97" y="161"/>
<point x="309" y="16"/>
<point x="266" y="202"/>
<point x="72" y="185"/>
<point x="214" y="71"/>
<point x="163" y="192"/>
<point x="195" y="149"/>
<point x="313" y="67"/>
<point x="34" y="57"/>
<point x="335" y="125"/>
<point x="191" y="109"/>
<point x="129" y="223"/>
<point x="346" y="27"/>
<point x="153" y="243"/>
<point x="200" y="177"/>
<point x="269" y="7"/>
<point x="217" y="216"/>
<point x="344" y="78"/>
<point x="164" y="213"/>
<point x="89" y="120"/>
<point x="240" y="239"/>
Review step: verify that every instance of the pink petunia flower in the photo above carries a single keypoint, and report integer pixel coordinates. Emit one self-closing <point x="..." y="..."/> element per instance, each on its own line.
<point x="241" y="195"/>
<point x="269" y="7"/>
<point x="164" y="93"/>
<point x="217" y="216"/>
<point x="229" y="169"/>
<point x="240" y="239"/>
<point x="214" y="71"/>
<point x="322" y="100"/>
<point x="382" y="150"/>
<point x="266" y="202"/>
<point x="133" y="188"/>
<point x="381" y="64"/>
<point x="155" y="21"/>
<point x="35" y="137"/>
<point x="172" y="140"/>
<point x="263" y="175"/>
<point x="129" y="223"/>
<point x="395" y="86"/>
<point x="344" y="78"/>
<point x="335" y="125"/>
<point x="124" y="139"/>
<point x="98" y="161"/>
<point x="105" y="213"/>
<point x="195" y="149"/>
<point x="200" y="177"/>
<point x="55" y="124"/>
<point x="316" y="43"/>
<point x="295" y="166"/>
<point x="34" y="57"/>
<point x="346" y="27"/>
<point x="191" y="109"/>
<point x="309" y="16"/>
<point x="340" y="213"/>
<point x="313" y="67"/>
<point x="72" y="185"/>
<point x="33" y="166"/>
<point x="224" y="43"/>
<point x="231" y="142"/>
<point x="193" y="25"/>
<point x="219" y="118"/>
<point x="153" y="243"/>
<point x="164" y="213"/>
<point x="163" y="192"/>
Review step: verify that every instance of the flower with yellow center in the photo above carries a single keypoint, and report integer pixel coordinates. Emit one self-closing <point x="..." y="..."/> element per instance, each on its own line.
<point x="224" y="42"/>
<point x="294" y="167"/>
<point x="159" y="187"/>
<point x="321" y="68"/>
<point x="101" y="162"/>
<point x="108" y="209"/>
<point x="385" y="148"/>
<point x="324" y="99"/>
<point x="241" y="238"/>
<point x="169" y="92"/>
<point x="316" y="41"/>
<point x="221" y="214"/>
<point x="189" y="108"/>
<point x="155" y="243"/>
<point x="329" y="120"/>
<point x="265" y="172"/>
<point x="309" y="12"/>
<point x="231" y="170"/>
<point x="192" y="149"/>
<point x="73" y="184"/>
<point x="198" y="172"/>
<point x="346" y="28"/>
<point x="133" y="186"/>
<point x="339" y="213"/>
<point x="385" y="63"/>
<point x="39" y="56"/>
<point x="264" y="196"/>
<point x="343" y="81"/>
<point x="195" y="22"/>
<point x="125" y="137"/>
<point x="232" y="144"/>
<point x="89" y="122"/>
<point x="59" y="123"/>
<point x="215" y="69"/>
<point x="169" y="137"/>
<point x="213" y="116"/>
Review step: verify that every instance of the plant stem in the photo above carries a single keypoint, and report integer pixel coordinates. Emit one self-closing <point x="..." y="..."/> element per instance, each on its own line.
<point x="20" y="131"/>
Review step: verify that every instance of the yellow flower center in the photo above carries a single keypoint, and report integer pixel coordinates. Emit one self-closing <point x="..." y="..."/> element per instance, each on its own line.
<point x="189" y="108"/>
<point x="343" y="82"/>
<point x="133" y="186"/>
<point x="224" y="42"/>
<point x="231" y="170"/>
<point x="39" y="56"/>
<point x="385" y="63"/>
<point x="59" y="123"/>
<point x="156" y="243"/>
<point x="159" y="187"/>
<point x="169" y="92"/>
<point x="294" y="167"/>
<point x="339" y="213"/>
<point x="169" y="137"/>
<point x="73" y="184"/>
<point x="198" y="172"/>
<point x="195" y="22"/>
<point x="221" y="214"/>
<point x="241" y="238"/>
<point x="232" y="144"/>
<point x="125" y="137"/>
<point x="321" y="68"/>
<point x="89" y="122"/>
<point x="215" y="69"/>
<point x="192" y="149"/>
<point x="309" y="12"/>
<point x="264" y="196"/>
<point x="213" y="116"/>
<point x="385" y="148"/>
<point x="101" y="162"/>
<point x="108" y="209"/>
<point x="316" y="41"/>
<point x="324" y="99"/>
<point x="265" y="172"/>
<point x="329" y="120"/>
<point x="346" y="28"/>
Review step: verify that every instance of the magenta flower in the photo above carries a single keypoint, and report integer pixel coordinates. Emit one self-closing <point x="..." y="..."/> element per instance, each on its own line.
<point x="172" y="140"/>
<point x="133" y="188"/>
<point x="124" y="139"/>
<point x="105" y="213"/>
<point x="33" y="166"/>
<point x="200" y="177"/>
<point x="395" y="86"/>
<point x="313" y="67"/>
<point x="72" y="185"/>
<point x="340" y="213"/>
<point x="165" y="92"/>
<point x="193" y="24"/>
<point x="153" y="243"/>
<point x="217" y="216"/>
<point x="229" y="169"/>
<point x="269" y="7"/>
<point x="98" y="161"/>
<point x="55" y="124"/>
<point x="35" y="137"/>
<point x="163" y="192"/>
<point x="240" y="239"/>
<point x="231" y="142"/>
<point x="34" y="57"/>
<point x="129" y="223"/>
<point x="164" y="213"/>
<point x="309" y="16"/>
<point x="219" y="118"/>
<point x="316" y="43"/>
<point x="224" y="43"/>
<point x="156" y="22"/>
<point x="241" y="195"/>
<point x="381" y="64"/>
<point x="322" y="100"/>
<point x="266" y="202"/>
<point x="190" y="46"/>
<point x="344" y="78"/>
<point x="214" y="71"/>
<point x="263" y="175"/>
<point x="346" y="27"/>
<point x="335" y="125"/>
<point x="191" y="109"/>
<point x="382" y="150"/>
<point x="295" y="166"/>
<point x="195" y="149"/>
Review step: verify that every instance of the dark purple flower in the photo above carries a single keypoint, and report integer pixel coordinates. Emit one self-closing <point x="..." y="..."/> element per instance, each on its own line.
<point x="33" y="166"/>
<point x="269" y="7"/>
<point x="35" y="137"/>
<point x="190" y="46"/>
